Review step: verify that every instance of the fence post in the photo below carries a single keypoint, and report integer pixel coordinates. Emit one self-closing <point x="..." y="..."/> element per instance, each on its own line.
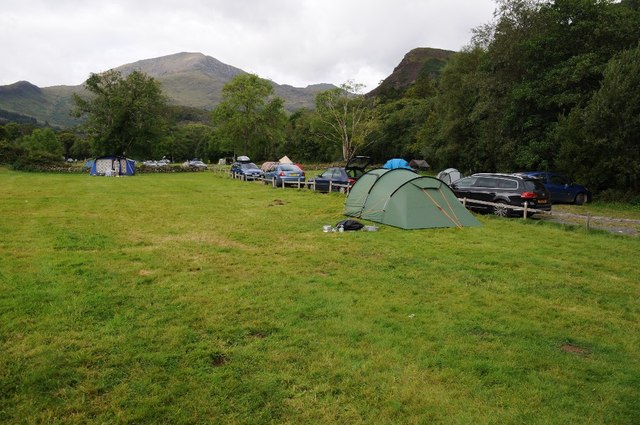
<point x="525" y="210"/>
<point x="330" y="186"/>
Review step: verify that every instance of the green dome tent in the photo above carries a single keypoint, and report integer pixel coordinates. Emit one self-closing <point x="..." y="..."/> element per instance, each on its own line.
<point x="402" y="198"/>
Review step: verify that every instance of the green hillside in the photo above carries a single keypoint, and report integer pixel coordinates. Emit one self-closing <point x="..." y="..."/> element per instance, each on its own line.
<point x="188" y="79"/>
<point x="419" y="63"/>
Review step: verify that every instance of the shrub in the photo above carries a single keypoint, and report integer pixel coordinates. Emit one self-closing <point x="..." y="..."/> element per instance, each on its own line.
<point x="38" y="161"/>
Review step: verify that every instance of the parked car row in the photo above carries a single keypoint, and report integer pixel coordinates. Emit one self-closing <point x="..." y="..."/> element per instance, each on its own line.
<point x="537" y="190"/>
<point x="561" y="188"/>
<point x="195" y="164"/>
<point x="334" y="178"/>
<point x="159" y="163"/>
<point x="503" y="191"/>
<point x="499" y="193"/>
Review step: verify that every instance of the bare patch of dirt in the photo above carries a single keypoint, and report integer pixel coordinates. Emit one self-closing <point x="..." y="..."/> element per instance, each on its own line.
<point x="608" y="224"/>
<point x="217" y="359"/>
<point x="574" y="349"/>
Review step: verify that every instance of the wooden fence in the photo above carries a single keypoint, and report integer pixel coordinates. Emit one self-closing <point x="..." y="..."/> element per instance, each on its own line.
<point x="527" y="212"/>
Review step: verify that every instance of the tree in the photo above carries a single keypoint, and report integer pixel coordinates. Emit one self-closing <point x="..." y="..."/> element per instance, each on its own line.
<point x="67" y="139"/>
<point x="348" y="116"/>
<point x="249" y="120"/>
<point x="600" y="142"/>
<point x="44" y="141"/>
<point x="302" y="140"/>
<point x="545" y="58"/>
<point x="452" y="135"/>
<point x="500" y="100"/>
<point x="125" y="115"/>
<point x="400" y="122"/>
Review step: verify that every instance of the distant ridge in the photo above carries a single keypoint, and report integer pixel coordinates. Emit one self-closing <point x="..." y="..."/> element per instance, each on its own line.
<point x="180" y="63"/>
<point x="187" y="78"/>
<point x="196" y="80"/>
<point x="422" y="62"/>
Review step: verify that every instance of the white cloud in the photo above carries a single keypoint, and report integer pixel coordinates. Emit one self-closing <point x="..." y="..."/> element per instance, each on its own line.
<point x="291" y="42"/>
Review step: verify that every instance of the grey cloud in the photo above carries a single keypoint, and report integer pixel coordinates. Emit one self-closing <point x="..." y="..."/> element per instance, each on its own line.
<point x="292" y="42"/>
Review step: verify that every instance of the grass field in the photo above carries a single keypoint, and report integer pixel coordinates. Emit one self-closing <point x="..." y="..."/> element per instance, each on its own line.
<point x="194" y="298"/>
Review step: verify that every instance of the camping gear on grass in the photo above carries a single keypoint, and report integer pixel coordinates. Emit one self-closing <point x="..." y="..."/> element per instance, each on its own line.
<point x="404" y="199"/>
<point x="349" y="225"/>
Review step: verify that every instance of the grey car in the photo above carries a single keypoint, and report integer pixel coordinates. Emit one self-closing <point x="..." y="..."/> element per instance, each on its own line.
<point x="287" y="173"/>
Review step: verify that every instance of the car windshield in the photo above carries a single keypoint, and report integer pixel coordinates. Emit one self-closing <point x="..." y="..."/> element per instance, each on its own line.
<point x="330" y="173"/>
<point x="533" y="185"/>
<point x="466" y="182"/>
<point x="557" y="179"/>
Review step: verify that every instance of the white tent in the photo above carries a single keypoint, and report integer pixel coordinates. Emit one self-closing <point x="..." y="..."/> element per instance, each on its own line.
<point x="285" y="160"/>
<point x="449" y="175"/>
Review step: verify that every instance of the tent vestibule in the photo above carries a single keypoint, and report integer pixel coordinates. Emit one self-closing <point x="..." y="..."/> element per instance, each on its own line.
<point x="401" y="198"/>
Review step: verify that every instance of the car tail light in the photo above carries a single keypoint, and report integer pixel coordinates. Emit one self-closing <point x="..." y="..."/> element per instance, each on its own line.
<point x="528" y="195"/>
<point x="351" y="180"/>
<point x="281" y="174"/>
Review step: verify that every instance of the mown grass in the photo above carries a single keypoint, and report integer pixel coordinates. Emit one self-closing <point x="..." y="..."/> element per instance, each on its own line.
<point x="193" y="298"/>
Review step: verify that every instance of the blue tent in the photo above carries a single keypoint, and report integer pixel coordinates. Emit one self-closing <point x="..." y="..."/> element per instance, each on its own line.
<point x="113" y="165"/>
<point x="397" y="163"/>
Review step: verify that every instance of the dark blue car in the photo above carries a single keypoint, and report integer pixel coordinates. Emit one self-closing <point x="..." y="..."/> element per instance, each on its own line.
<point x="561" y="188"/>
<point x="337" y="178"/>
<point x="246" y="170"/>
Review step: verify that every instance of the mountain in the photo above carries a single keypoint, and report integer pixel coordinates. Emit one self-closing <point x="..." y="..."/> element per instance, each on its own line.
<point x="188" y="79"/>
<point x="46" y="105"/>
<point x="423" y="62"/>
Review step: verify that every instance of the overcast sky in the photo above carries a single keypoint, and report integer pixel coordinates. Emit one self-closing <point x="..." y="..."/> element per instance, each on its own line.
<point x="296" y="42"/>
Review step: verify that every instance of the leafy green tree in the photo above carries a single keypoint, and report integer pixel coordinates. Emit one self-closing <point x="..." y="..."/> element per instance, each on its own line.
<point x="188" y="141"/>
<point x="67" y="139"/>
<point x="249" y="120"/>
<point x="43" y="140"/>
<point x="400" y="123"/>
<point x="348" y="117"/>
<point x="81" y="149"/>
<point x="452" y="134"/>
<point x="543" y="60"/>
<point x="10" y="151"/>
<point x="600" y="143"/>
<point x="302" y="140"/>
<point x="126" y="115"/>
<point x="499" y="101"/>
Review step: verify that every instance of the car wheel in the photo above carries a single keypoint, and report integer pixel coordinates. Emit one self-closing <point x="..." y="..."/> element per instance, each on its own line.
<point x="501" y="209"/>
<point x="581" y="198"/>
